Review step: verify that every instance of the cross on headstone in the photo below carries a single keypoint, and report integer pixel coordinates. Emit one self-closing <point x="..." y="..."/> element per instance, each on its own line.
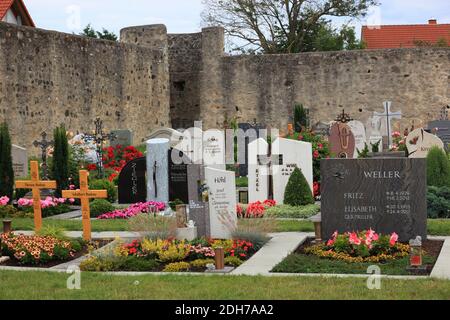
<point x="36" y="185"/>
<point x="99" y="137"/>
<point x="85" y="195"/>
<point x="444" y="113"/>
<point x="389" y="115"/>
<point x="270" y="160"/>
<point x="344" y="117"/>
<point x="44" y="144"/>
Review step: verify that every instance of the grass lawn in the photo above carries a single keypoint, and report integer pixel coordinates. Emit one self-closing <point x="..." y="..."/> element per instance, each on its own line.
<point x="44" y="285"/>
<point x="435" y="227"/>
<point x="301" y="263"/>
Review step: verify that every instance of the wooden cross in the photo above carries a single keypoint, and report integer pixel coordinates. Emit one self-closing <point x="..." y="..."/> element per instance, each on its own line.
<point x="85" y="194"/>
<point x="36" y="185"/>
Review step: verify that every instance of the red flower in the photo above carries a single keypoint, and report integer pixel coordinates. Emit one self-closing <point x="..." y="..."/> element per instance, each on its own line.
<point x="316" y="154"/>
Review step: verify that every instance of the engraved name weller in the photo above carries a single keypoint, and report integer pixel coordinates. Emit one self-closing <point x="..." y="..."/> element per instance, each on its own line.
<point x="382" y="174"/>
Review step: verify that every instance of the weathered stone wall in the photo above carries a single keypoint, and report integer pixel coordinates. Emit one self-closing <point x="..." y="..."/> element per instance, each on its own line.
<point x="48" y="78"/>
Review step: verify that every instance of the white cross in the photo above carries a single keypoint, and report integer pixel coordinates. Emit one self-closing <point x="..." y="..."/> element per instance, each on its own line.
<point x="389" y="115"/>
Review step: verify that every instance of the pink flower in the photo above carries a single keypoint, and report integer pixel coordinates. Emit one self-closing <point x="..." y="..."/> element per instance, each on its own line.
<point x="320" y="146"/>
<point x="354" y="239"/>
<point x="71" y="200"/>
<point x="316" y="154"/>
<point x="4" y="201"/>
<point x="394" y="239"/>
<point x="396" y="134"/>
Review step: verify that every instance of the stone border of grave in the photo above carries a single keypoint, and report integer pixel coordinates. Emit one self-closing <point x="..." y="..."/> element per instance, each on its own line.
<point x="275" y="251"/>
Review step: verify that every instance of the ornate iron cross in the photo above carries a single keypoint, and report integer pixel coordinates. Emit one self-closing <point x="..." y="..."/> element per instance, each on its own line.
<point x="99" y="138"/>
<point x="44" y="144"/>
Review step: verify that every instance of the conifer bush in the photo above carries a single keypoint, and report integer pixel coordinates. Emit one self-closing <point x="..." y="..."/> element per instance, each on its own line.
<point x="6" y="166"/>
<point x="438" y="168"/>
<point x="60" y="163"/>
<point x="298" y="192"/>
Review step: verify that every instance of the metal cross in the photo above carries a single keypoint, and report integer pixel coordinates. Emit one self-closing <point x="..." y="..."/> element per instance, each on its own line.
<point x="389" y="117"/>
<point x="44" y="144"/>
<point x="344" y="117"/>
<point x="99" y="138"/>
<point x="444" y="113"/>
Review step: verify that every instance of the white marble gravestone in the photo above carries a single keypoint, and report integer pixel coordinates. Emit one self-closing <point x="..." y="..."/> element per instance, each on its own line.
<point x="158" y="170"/>
<point x="386" y="120"/>
<point x="222" y="202"/>
<point x="359" y="131"/>
<point x="419" y="143"/>
<point x="20" y="161"/>
<point x="295" y="154"/>
<point x="258" y="182"/>
<point x="214" y="149"/>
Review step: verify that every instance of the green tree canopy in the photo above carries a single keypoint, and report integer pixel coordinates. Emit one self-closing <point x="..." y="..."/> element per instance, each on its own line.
<point x="90" y="32"/>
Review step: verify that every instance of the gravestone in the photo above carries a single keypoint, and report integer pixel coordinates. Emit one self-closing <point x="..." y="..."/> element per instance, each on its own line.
<point x="222" y="202"/>
<point x="214" y="149"/>
<point x="157" y="170"/>
<point x="132" y="182"/>
<point x="249" y="134"/>
<point x="198" y="209"/>
<point x="258" y="183"/>
<point x="387" y="195"/>
<point x="359" y="132"/>
<point x="123" y="138"/>
<point x="419" y="143"/>
<point x="386" y="120"/>
<point x="175" y="137"/>
<point x="442" y="129"/>
<point x="178" y="176"/>
<point x="342" y="141"/>
<point x="294" y="154"/>
<point x="20" y="161"/>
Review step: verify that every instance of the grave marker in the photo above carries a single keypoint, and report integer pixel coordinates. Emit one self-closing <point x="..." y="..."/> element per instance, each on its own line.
<point x="258" y="183"/>
<point x="85" y="195"/>
<point x="20" y="161"/>
<point x="44" y="145"/>
<point x="123" y="138"/>
<point x="157" y="170"/>
<point x="419" y="143"/>
<point x="342" y="141"/>
<point x="442" y="129"/>
<point x="389" y="115"/>
<point x="35" y="184"/>
<point x="132" y="182"/>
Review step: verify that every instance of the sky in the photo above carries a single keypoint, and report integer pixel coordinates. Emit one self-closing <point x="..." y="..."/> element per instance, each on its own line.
<point x="183" y="16"/>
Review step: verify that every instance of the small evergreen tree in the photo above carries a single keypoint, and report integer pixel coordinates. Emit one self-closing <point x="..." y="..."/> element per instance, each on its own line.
<point x="298" y="192"/>
<point x="60" y="164"/>
<point x="438" y="168"/>
<point x="6" y="166"/>
<point x="300" y="118"/>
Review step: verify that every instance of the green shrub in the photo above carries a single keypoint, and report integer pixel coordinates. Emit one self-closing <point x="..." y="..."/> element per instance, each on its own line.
<point x="52" y="231"/>
<point x="60" y="161"/>
<point x="6" y="166"/>
<point x="201" y="263"/>
<point x="298" y="192"/>
<point x="7" y="211"/>
<point x="173" y="204"/>
<point x="133" y="263"/>
<point x="301" y="119"/>
<point x="103" y="184"/>
<point x="438" y="202"/>
<point x="100" y="206"/>
<point x="438" y="168"/>
<point x="96" y="264"/>
<point x="297" y="212"/>
<point x="177" y="267"/>
<point x="242" y="182"/>
<point x="233" y="261"/>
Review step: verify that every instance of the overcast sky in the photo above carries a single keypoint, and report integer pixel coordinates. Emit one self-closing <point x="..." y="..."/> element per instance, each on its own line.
<point x="183" y="16"/>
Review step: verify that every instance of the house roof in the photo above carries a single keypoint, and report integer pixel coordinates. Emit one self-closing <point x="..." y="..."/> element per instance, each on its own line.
<point x="404" y="36"/>
<point x="18" y="7"/>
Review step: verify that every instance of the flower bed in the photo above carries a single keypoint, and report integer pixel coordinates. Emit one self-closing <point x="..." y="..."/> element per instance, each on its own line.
<point x="134" y="210"/>
<point x="254" y="209"/>
<point x="169" y="255"/>
<point x="37" y="250"/>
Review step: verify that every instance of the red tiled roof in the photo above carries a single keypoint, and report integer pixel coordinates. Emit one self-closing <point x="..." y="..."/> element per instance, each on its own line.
<point x="20" y="6"/>
<point x="404" y="36"/>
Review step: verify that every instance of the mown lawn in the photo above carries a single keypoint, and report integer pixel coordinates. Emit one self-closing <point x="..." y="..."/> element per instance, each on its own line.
<point x="438" y="227"/>
<point x="44" y="285"/>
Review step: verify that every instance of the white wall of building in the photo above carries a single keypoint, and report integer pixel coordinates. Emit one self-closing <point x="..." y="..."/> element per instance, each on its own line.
<point x="11" y="18"/>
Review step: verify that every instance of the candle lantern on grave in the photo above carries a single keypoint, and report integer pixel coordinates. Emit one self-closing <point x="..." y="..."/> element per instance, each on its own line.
<point x="99" y="137"/>
<point x="415" y="259"/>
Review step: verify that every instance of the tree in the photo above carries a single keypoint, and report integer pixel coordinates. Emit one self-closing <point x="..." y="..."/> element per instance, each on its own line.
<point x="283" y="26"/>
<point x="301" y="120"/>
<point x="298" y="192"/>
<point x="6" y="166"/>
<point x="92" y="33"/>
<point x="60" y="164"/>
<point x="438" y="168"/>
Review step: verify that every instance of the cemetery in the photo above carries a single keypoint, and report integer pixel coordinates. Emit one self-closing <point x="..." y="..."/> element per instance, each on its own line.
<point x="169" y="190"/>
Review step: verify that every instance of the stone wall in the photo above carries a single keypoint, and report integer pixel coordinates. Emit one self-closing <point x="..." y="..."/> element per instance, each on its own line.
<point x="48" y="78"/>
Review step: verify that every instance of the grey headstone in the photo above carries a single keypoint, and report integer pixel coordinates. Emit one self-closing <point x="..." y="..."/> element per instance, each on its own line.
<point x="198" y="209"/>
<point x="20" y="161"/>
<point x="442" y="130"/>
<point x="123" y="138"/>
<point x="387" y="195"/>
<point x="157" y="170"/>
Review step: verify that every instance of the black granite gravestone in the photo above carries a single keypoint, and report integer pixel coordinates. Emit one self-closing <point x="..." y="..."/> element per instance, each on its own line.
<point x="178" y="176"/>
<point x="387" y="195"/>
<point x="251" y="133"/>
<point x="198" y="205"/>
<point x="132" y="182"/>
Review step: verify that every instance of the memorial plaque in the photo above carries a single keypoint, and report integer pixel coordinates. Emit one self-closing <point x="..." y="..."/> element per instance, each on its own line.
<point x="387" y="195"/>
<point x="123" y="138"/>
<point x="20" y="161"/>
<point x="132" y="182"/>
<point x="178" y="176"/>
